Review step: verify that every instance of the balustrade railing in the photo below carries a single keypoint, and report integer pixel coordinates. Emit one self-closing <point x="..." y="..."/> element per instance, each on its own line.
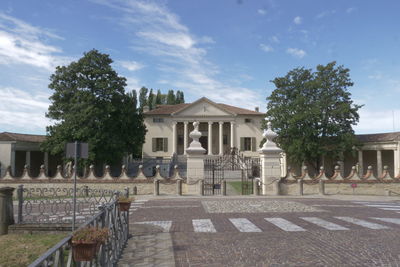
<point x="55" y="205"/>
<point x="108" y="254"/>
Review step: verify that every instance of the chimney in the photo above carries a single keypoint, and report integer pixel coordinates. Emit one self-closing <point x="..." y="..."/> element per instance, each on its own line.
<point x="257" y="109"/>
<point x="145" y="109"/>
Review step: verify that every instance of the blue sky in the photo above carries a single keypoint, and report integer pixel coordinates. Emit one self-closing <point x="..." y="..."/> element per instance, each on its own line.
<point x="226" y="50"/>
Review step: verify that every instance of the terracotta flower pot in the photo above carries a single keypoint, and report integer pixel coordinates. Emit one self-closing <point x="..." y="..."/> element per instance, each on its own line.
<point x="84" y="251"/>
<point x="124" y="206"/>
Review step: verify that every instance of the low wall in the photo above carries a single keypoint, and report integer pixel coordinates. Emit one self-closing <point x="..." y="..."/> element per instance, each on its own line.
<point x="377" y="188"/>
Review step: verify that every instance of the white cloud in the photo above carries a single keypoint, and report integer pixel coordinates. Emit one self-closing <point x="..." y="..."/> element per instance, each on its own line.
<point x="299" y="53"/>
<point x="130" y="65"/>
<point x="378" y="121"/>
<point x="324" y="14"/>
<point x="274" y="39"/>
<point x="133" y="83"/>
<point x="350" y="10"/>
<point x="261" y="11"/>
<point x="297" y="20"/>
<point x="23" y="109"/>
<point x="266" y="48"/>
<point x="21" y="43"/>
<point x="181" y="58"/>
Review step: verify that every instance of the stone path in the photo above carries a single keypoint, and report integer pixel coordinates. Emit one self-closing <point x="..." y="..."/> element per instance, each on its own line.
<point x="149" y="245"/>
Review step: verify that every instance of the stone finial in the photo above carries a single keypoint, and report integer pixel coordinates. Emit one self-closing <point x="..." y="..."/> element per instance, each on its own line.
<point x="270" y="145"/>
<point x="195" y="146"/>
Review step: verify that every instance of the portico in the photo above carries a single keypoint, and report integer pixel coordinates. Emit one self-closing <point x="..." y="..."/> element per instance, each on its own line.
<point x="217" y="136"/>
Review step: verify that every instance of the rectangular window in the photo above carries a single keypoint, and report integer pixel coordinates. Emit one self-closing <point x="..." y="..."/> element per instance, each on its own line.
<point x="247" y="120"/>
<point x="180" y="139"/>
<point x="225" y="139"/>
<point x="247" y="144"/>
<point x="158" y="120"/>
<point x="160" y="144"/>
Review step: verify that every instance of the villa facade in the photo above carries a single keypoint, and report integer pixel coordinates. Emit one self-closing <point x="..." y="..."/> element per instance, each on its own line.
<point x="222" y="127"/>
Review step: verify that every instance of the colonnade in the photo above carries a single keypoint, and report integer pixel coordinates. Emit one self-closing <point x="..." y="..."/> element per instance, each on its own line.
<point x="210" y="135"/>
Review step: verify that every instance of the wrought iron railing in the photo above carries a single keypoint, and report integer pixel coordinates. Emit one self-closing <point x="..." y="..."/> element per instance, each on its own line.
<point x="108" y="254"/>
<point x="55" y="205"/>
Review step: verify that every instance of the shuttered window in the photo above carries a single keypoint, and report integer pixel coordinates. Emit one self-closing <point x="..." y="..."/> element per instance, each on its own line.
<point x="160" y="144"/>
<point x="248" y="144"/>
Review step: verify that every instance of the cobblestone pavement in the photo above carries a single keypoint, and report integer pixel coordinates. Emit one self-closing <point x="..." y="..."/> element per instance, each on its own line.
<point x="295" y="232"/>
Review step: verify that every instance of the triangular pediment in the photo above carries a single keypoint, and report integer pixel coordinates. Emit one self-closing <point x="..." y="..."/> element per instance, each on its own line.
<point x="203" y="107"/>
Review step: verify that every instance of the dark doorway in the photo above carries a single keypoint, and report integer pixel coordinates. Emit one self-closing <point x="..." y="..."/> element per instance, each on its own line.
<point x="204" y="142"/>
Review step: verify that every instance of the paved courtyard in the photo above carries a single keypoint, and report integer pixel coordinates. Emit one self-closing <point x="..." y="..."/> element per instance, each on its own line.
<point x="248" y="231"/>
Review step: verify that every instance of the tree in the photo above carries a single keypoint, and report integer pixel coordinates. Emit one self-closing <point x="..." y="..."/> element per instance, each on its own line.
<point x="179" y="97"/>
<point x="159" y="98"/>
<point x="89" y="104"/>
<point x="171" y="98"/>
<point x="142" y="98"/>
<point x="313" y="114"/>
<point x="151" y="100"/>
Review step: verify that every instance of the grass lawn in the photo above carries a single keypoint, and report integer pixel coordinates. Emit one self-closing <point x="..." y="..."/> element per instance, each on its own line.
<point x="23" y="249"/>
<point x="237" y="185"/>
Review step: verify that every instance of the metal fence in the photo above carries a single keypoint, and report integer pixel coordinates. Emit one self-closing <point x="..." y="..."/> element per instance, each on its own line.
<point x="109" y="216"/>
<point x="55" y="205"/>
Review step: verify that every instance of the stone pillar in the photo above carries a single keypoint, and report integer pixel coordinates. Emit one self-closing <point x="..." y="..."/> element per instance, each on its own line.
<point x="270" y="155"/>
<point x="12" y="163"/>
<point x="379" y="163"/>
<point x="195" y="158"/>
<point x="232" y="134"/>
<point x="396" y="154"/>
<point x="321" y="188"/>
<point x="6" y="209"/>
<point x="185" y="136"/>
<point x="221" y="138"/>
<point x="28" y="158"/>
<point x="179" y="187"/>
<point x="156" y="187"/>
<point x="360" y="163"/>
<point x="223" y="187"/>
<point x="174" y="138"/>
<point x="210" y="123"/>
<point x="46" y="163"/>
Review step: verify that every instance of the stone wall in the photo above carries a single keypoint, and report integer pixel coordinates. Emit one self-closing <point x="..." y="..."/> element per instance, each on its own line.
<point x="144" y="185"/>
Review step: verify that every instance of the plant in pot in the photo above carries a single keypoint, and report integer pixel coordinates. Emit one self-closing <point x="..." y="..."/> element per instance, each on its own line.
<point x="125" y="203"/>
<point x="86" y="241"/>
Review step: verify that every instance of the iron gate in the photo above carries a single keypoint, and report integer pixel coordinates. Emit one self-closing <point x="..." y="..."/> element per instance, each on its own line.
<point x="233" y="167"/>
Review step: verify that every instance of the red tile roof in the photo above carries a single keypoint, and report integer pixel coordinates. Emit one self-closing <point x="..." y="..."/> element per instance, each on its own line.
<point x="6" y="136"/>
<point x="379" y="137"/>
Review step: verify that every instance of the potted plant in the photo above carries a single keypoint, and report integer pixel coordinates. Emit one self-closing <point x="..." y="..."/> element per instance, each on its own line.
<point x="125" y="203"/>
<point x="86" y="241"/>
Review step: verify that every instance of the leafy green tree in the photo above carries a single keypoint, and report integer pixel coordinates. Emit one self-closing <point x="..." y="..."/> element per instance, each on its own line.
<point x="143" y="98"/>
<point x="89" y="104"/>
<point x="179" y="98"/>
<point x="159" y="98"/>
<point x="313" y="113"/>
<point x="151" y="100"/>
<point x="171" y="98"/>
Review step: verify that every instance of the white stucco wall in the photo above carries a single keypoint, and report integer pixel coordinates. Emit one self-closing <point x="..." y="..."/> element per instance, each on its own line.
<point x="5" y="156"/>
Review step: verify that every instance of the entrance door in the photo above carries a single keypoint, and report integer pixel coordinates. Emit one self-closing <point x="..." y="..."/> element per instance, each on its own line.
<point x="204" y="142"/>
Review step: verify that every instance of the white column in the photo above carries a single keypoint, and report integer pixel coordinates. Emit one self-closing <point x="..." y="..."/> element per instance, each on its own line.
<point x="360" y="163"/>
<point x="185" y="136"/>
<point x="379" y="163"/>
<point x="232" y="134"/>
<point x="221" y="140"/>
<point x="174" y="138"/>
<point x="397" y="160"/>
<point x="210" y="123"/>
<point x="12" y="160"/>
<point x="28" y="159"/>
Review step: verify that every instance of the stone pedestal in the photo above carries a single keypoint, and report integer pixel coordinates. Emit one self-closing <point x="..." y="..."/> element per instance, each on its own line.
<point x="270" y="156"/>
<point x="6" y="209"/>
<point x="195" y="157"/>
